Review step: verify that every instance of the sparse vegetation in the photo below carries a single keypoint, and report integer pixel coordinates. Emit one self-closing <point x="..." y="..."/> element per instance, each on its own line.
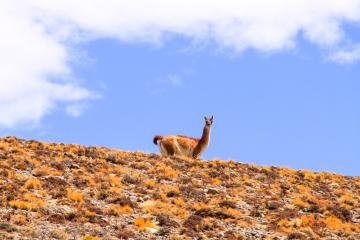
<point x="122" y="195"/>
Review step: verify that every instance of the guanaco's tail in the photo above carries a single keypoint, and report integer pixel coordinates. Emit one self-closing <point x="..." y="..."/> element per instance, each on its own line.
<point x="156" y="139"/>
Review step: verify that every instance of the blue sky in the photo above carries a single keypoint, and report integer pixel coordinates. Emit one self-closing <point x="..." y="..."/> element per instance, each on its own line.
<point x="290" y="102"/>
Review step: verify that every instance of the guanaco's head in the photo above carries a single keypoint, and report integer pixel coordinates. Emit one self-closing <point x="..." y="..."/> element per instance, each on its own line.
<point x="209" y="120"/>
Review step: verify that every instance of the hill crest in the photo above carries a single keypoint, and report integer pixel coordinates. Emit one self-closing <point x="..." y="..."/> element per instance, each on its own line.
<point x="69" y="191"/>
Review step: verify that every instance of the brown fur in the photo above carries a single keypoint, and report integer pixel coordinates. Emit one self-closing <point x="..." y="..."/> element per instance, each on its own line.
<point x="181" y="145"/>
<point x="203" y="143"/>
<point x="192" y="138"/>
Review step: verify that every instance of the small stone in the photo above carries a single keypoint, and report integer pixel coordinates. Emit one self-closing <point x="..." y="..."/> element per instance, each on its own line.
<point x="273" y="205"/>
<point x="212" y="191"/>
<point x="296" y="235"/>
<point x="151" y="230"/>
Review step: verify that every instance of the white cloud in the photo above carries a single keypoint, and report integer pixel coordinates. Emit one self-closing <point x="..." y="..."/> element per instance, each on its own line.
<point x="30" y="62"/>
<point x="38" y="37"/>
<point x="76" y="109"/>
<point x="264" y="25"/>
<point x="163" y="83"/>
<point x="175" y="80"/>
<point x="346" y="55"/>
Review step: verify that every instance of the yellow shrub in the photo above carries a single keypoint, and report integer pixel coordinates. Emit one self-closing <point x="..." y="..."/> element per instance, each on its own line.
<point x="30" y="202"/>
<point x="292" y="180"/>
<point x="283" y="223"/>
<point x="18" y="150"/>
<point x="18" y="204"/>
<point x="46" y="171"/>
<point x="34" y="201"/>
<point x="300" y="203"/>
<point x="58" y="234"/>
<point x="243" y="224"/>
<point x="119" y="210"/>
<point x="339" y="192"/>
<point x="199" y="205"/>
<point x="179" y="202"/>
<point x="33" y="183"/>
<point x="307" y="220"/>
<point x="168" y="172"/>
<point x="303" y="189"/>
<point x="143" y="223"/>
<point x="163" y="197"/>
<point x="208" y="222"/>
<point x="181" y="213"/>
<point x="20" y="176"/>
<point x="89" y="213"/>
<point x="287" y="171"/>
<point x="169" y="188"/>
<point x="310" y="198"/>
<point x="10" y="174"/>
<point x="75" y="196"/>
<point x="114" y="190"/>
<point x="216" y="181"/>
<point x="323" y="203"/>
<point x="18" y="219"/>
<point x="155" y="207"/>
<point x="336" y="224"/>
<point x="308" y="175"/>
<point x="231" y="212"/>
<point x="90" y="238"/>
<point x="347" y="199"/>
<point x="358" y="182"/>
<point x="3" y="146"/>
<point x="35" y="162"/>
<point x="149" y="183"/>
<point x="89" y="179"/>
<point x="114" y="181"/>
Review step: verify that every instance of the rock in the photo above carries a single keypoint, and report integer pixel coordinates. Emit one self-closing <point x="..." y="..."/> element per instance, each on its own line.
<point x="111" y="157"/>
<point x="123" y="201"/>
<point x="151" y="230"/>
<point x="166" y="220"/>
<point x="8" y="227"/>
<point x="212" y="191"/>
<point x="334" y="185"/>
<point x="57" y="218"/>
<point x="273" y="205"/>
<point x="296" y="235"/>
<point x="194" y="222"/>
<point x="207" y="212"/>
<point x="129" y="179"/>
<point x="340" y="212"/>
<point x="228" y="204"/>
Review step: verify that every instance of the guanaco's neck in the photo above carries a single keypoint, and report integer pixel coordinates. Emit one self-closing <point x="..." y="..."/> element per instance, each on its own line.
<point x="205" y="138"/>
<point x="203" y="143"/>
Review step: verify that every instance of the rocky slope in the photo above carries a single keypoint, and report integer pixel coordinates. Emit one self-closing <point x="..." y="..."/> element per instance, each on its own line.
<point x="67" y="191"/>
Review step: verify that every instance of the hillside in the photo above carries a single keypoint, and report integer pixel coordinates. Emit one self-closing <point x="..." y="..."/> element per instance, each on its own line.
<point x="67" y="191"/>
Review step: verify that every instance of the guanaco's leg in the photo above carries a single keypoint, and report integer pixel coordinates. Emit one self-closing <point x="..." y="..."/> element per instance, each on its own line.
<point x="163" y="150"/>
<point x="166" y="149"/>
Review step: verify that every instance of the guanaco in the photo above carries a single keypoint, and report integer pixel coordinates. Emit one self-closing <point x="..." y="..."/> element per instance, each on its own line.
<point x="180" y="145"/>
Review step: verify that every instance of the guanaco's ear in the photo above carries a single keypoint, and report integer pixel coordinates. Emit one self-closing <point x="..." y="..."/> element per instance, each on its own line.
<point x="205" y="117"/>
<point x="212" y="117"/>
